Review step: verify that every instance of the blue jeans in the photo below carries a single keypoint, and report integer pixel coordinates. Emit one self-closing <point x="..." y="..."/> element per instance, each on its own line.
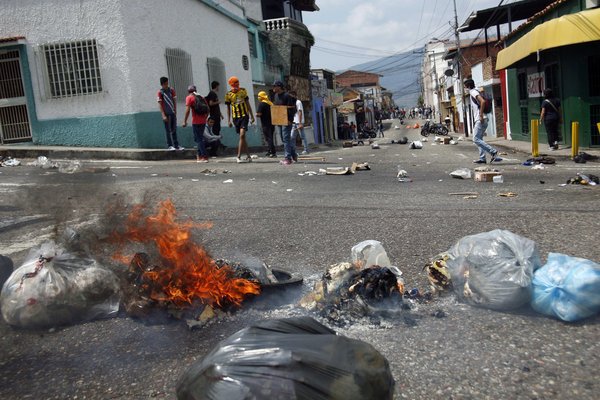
<point x="199" y="138"/>
<point x="290" y="150"/>
<point x="171" y="130"/>
<point x="478" y="131"/>
<point x="295" y="131"/>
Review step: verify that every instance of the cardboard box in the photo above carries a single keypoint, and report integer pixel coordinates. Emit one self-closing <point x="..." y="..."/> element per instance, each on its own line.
<point x="485" y="176"/>
<point x="279" y="115"/>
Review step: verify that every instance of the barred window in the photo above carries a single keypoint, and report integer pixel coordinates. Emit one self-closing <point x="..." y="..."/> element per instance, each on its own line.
<point x="72" y="68"/>
<point x="252" y="45"/>
<point x="179" y="67"/>
<point x="216" y="72"/>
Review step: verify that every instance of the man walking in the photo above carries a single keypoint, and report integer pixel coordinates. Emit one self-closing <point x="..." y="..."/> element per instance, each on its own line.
<point x="298" y="125"/>
<point x="478" y="103"/>
<point x="167" y="105"/>
<point x="197" y="104"/>
<point x="264" y="113"/>
<point x="238" y="106"/>
<point x="281" y="98"/>
<point x="215" y="111"/>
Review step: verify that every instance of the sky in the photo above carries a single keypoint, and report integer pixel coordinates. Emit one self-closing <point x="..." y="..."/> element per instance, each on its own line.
<point x="350" y="32"/>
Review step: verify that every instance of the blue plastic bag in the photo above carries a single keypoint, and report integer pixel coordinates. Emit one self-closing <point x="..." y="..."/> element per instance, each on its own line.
<point x="567" y="288"/>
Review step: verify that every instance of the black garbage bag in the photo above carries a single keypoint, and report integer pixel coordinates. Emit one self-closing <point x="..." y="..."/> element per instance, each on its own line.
<point x="289" y="359"/>
<point x="6" y="268"/>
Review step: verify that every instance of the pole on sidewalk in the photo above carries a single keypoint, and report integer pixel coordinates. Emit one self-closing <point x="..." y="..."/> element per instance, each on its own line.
<point x="534" y="138"/>
<point x="574" y="138"/>
<point x="461" y="88"/>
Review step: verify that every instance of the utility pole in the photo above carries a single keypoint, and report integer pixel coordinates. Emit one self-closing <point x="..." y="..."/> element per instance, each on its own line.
<point x="460" y="80"/>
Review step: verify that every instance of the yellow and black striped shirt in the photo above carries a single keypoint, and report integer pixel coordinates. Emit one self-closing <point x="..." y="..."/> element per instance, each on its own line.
<point x="237" y="101"/>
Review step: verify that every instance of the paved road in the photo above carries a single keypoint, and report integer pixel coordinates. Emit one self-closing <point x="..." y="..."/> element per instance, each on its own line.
<point x="303" y="224"/>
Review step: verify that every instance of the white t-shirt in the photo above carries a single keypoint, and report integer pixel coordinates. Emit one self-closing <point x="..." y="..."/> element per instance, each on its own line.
<point x="473" y="93"/>
<point x="299" y="107"/>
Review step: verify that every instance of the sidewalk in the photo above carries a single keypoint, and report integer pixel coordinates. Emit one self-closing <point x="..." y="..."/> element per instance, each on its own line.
<point x="564" y="152"/>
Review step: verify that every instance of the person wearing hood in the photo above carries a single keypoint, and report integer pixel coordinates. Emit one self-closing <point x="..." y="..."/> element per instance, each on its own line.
<point x="238" y="106"/>
<point x="263" y="112"/>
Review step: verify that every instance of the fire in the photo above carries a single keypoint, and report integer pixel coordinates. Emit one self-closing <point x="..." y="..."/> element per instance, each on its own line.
<point x="187" y="273"/>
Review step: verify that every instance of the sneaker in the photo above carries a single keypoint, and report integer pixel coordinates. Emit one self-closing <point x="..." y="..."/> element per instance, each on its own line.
<point x="305" y="152"/>
<point x="285" y="162"/>
<point x="552" y="148"/>
<point x="273" y="155"/>
<point x="479" y="162"/>
<point x="171" y="148"/>
<point x="268" y="154"/>
<point x="198" y="158"/>
<point x="248" y="159"/>
<point x="239" y="160"/>
<point x="180" y="148"/>
<point x="203" y="160"/>
<point x="295" y="157"/>
<point x="495" y="158"/>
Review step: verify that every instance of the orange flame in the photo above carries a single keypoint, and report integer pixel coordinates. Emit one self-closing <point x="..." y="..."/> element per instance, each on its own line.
<point x="188" y="273"/>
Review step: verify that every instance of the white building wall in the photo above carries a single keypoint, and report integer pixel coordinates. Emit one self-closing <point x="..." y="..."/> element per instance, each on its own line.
<point x="132" y="36"/>
<point x="50" y="21"/>
<point x="188" y="25"/>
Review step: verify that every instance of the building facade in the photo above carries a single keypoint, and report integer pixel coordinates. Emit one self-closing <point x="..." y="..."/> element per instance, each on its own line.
<point x="88" y="71"/>
<point x="535" y="57"/>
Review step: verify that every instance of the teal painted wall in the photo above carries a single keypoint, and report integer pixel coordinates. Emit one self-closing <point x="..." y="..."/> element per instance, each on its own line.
<point x="139" y="130"/>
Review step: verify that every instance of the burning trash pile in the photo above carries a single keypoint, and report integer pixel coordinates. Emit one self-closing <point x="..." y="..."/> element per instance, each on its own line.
<point x="181" y="278"/>
<point x="293" y="358"/>
<point x="367" y="287"/>
<point x="500" y="270"/>
<point x="167" y="273"/>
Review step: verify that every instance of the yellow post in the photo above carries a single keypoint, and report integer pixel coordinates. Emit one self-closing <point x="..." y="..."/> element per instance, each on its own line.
<point x="534" y="138"/>
<point x="574" y="138"/>
<point x="598" y="125"/>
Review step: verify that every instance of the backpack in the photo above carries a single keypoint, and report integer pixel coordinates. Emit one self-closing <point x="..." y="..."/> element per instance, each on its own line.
<point x="200" y="105"/>
<point x="488" y="102"/>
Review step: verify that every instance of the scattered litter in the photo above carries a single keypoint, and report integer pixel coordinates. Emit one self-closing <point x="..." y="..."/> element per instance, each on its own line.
<point x="252" y="179"/>
<point x="417" y="144"/>
<point x="507" y="194"/>
<point x="462" y="173"/>
<point x="300" y="173"/>
<point x="542" y="160"/>
<point x="195" y="180"/>
<point x="340" y="158"/>
<point x="153" y="174"/>
<point x="402" y="175"/>
<point x="464" y="194"/>
<point x="498" y="179"/>
<point x="360" y="167"/>
<point x="310" y="173"/>
<point x="583" y="179"/>
<point x="538" y="166"/>
<point x="69" y="167"/>
<point x="493" y="269"/>
<point x="311" y="158"/>
<point x="228" y="181"/>
<point x="54" y="288"/>
<point x="292" y="358"/>
<point x="471" y="197"/>
<point x="453" y="141"/>
<point x="274" y="183"/>
<point x="289" y="190"/>
<point x="503" y="153"/>
<point x="253" y="156"/>
<point x="375" y="145"/>
<point x="10" y="162"/>
<point x="424" y="140"/>
<point x="43" y="162"/>
<point x="396" y="127"/>
<point x="460" y="138"/>
<point x="368" y="253"/>
<point x="542" y="182"/>
<point x="487" y="176"/>
<point x="567" y="288"/>
<point x="338" y="171"/>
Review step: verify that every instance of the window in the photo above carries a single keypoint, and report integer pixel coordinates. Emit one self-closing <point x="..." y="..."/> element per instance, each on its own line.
<point x="179" y="67"/>
<point x="594" y="120"/>
<point x="72" y="68"/>
<point x="252" y="45"/>
<point x="216" y="72"/>
<point x="524" y="121"/>
<point x="594" y="75"/>
<point x="299" y="62"/>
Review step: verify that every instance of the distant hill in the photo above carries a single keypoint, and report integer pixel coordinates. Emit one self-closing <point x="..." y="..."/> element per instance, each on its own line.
<point x="400" y="75"/>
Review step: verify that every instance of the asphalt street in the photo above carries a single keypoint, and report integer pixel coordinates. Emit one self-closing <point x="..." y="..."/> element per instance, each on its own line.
<point x="303" y="223"/>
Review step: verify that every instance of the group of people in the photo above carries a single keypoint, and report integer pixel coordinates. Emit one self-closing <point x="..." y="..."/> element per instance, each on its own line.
<point x="207" y="116"/>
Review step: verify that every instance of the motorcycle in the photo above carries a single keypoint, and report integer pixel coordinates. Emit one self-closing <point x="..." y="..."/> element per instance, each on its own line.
<point x="367" y="133"/>
<point x="435" y="128"/>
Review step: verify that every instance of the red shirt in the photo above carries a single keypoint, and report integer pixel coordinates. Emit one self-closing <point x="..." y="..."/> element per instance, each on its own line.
<point x="196" y="119"/>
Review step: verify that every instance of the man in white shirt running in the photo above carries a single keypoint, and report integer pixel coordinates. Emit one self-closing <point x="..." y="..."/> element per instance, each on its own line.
<point x="298" y="125"/>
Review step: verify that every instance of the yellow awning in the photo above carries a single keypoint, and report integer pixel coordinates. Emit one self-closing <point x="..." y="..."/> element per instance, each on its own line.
<point x="569" y="29"/>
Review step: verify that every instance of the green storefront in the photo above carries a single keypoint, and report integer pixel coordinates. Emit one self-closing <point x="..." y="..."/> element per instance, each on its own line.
<point x="560" y="49"/>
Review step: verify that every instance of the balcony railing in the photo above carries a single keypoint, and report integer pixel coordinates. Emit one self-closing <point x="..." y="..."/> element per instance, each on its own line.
<point x="282" y="24"/>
